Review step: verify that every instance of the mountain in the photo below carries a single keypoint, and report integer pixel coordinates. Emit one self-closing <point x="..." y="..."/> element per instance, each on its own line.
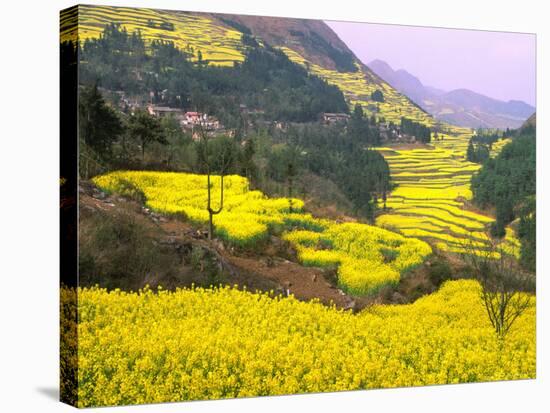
<point x="460" y="107"/>
<point x="312" y="39"/>
<point x="530" y="123"/>
<point x="221" y="40"/>
<point x="401" y="80"/>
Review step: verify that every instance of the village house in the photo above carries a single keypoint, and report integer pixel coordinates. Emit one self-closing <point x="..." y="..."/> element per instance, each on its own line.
<point x="331" y="118"/>
<point x="190" y="120"/>
<point x="163" y="111"/>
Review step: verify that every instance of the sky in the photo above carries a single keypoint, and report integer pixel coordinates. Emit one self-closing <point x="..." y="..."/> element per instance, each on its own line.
<point x="501" y="65"/>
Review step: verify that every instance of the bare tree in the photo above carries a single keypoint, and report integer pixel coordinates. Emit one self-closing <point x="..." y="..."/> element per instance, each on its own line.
<point x="505" y="286"/>
<point x="213" y="159"/>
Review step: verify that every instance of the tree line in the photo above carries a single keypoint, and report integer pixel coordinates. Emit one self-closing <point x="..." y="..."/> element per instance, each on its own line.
<point x="481" y="144"/>
<point x="420" y="131"/>
<point x="340" y="153"/>
<point x="508" y="183"/>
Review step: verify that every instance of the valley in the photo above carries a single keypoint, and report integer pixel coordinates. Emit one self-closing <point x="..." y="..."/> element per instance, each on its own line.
<point x="260" y="213"/>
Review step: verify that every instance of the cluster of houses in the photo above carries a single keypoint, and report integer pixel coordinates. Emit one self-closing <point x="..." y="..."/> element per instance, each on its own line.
<point x="188" y="120"/>
<point x="193" y="120"/>
<point x="388" y="130"/>
<point x="331" y="118"/>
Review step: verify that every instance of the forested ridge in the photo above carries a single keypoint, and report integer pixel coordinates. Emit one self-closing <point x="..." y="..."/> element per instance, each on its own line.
<point x="266" y="80"/>
<point x="508" y="183"/>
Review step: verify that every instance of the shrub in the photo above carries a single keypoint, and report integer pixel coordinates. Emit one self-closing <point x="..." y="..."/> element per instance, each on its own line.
<point x="439" y="272"/>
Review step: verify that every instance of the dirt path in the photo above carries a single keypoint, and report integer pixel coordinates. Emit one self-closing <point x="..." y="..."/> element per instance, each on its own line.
<point x="305" y="283"/>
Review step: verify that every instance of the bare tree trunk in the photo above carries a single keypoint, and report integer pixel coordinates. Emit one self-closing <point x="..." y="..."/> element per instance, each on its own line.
<point x="209" y="207"/>
<point x="211" y="211"/>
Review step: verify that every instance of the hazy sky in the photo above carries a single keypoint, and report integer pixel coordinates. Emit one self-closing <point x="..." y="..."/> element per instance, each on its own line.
<point x="497" y="64"/>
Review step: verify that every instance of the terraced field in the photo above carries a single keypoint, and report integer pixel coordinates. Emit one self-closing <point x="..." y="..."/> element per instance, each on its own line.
<point x="222" y="46"/>
<point x="433" y="186"/>
<point x="358" y="86"/>
<point x="367" y="257"/>
<point x="219" y="45"/>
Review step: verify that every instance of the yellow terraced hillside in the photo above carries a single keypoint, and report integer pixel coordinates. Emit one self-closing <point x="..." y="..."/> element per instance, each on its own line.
<point x="222" y="45"/>
<point x="218" y="44"/>
<point x="367" y="257"/>
<point x="358" y="86"/>
<point x="433" y="183"/>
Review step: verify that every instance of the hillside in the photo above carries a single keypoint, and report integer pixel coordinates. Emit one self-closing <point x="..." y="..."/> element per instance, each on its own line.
<point x="259" y="213"/>
<point x="461" y="107"/>
<point x="530" y="122"/>
<point x="219" y="38"/>
<point x="444" y="175"/>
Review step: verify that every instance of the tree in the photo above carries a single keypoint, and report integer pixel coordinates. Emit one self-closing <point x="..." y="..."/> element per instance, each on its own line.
<point x="177" y="140"/>
<point x="246" y="160"/>
<point x="99" y="124"/>
<point x="214" y="156"/>
<point x="505" y="287"/>
<point x="377" y="96"/>
<point x="479" y="152"/>
<point x="359" y="126"/>
<point x="145" y="129"/>
<point x="421" y="132"/>
<point x="470" y="152"/>
<point x="358" y="111"/>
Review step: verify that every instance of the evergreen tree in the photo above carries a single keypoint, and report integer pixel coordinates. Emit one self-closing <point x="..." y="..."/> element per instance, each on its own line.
<point x="99" y="125"/>
<point x="470" y="152"/>
<point x="145" y="129"/>
<point x="377" y="96"/>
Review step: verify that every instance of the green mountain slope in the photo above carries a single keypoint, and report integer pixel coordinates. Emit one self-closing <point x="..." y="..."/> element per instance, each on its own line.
<point x="218" y="40"/>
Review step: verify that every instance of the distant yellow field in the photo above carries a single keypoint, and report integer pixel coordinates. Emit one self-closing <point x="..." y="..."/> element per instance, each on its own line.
<point x="358" y="87"/>
<point x="432" y="187"/>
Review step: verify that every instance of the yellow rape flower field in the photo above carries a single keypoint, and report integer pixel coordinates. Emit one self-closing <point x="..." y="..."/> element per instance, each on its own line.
<point x="219" y="46"/>
<point x="433" y="186"/>
<point x="149" y="347"/>
<point x="367" y="257"/>
<point x="246" y="216"/>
